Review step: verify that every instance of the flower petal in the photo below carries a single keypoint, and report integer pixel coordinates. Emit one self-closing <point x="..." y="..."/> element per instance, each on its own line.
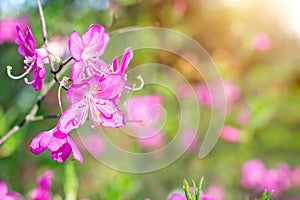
<point x="35" y="145"/>
<point x="77" y="71"/>
<point x="74" y="117"/>
<point x="95" y="39"/>
<point x="127" y="56"/>
<point x="75" y="45"/>
<point x="76" y="153"/>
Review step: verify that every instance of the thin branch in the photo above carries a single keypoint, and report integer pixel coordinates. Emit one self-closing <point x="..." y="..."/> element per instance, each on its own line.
<point x="31" y="116"/>
<point x="63" y="64"/>
<point x="45" y="38"/>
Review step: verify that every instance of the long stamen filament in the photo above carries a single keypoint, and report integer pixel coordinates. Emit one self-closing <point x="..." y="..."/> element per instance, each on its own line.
<point x="58" y="60"/>
<point x="9" y="69"/>
<point x="62" y="83"/>
<point x="137" y="88"/>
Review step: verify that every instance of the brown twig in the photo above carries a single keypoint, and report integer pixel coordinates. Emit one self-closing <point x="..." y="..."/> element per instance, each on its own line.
<point x="24" y="122"/>
<point x="61" y="65"/>
<point x="31" y="114"/>
<point x="45" y="38"/>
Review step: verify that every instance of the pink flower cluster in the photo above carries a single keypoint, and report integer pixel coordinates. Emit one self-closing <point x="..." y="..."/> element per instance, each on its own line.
<point x="95" y="91"/>
<point x="256" y="176"/>
<point x="43" y="189"/>
<point x="41" y="192"/>
<point x="6" y="195"/>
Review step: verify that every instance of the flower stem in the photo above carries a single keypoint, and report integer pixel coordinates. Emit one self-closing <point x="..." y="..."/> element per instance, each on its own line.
<point x="45" y="38"/>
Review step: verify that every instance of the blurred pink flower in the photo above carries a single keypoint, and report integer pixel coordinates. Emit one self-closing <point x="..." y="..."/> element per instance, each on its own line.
<point x="5" y="195"/>
<point x="189" y="140"/>
<point x="8" y="29"/>
<point x="43" y="190"/>
<point x="252" y="173"/>
<point x="177" y="196"/>
<point x="261" y="42"/>
<point x="58" y="45"/>
<point x="232" y="94"/>
<point x="59" y="144"/>
<point x="180" y="7"/>
<point x="216" y="192"/>
<point x="33" y="58"/>
<point x="256" y="176"/>
<point x="295" y="176"/>
<point x="243" y="115"/>
<point x="150" y="140"/>
<point x="277" y="179"/>
<point x="230" y="134"/>
<point x="203" y="95"/>
<point x="143" y="109"/>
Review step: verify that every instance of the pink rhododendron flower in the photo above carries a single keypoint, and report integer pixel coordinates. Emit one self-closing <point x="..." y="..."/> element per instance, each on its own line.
<point x="60" y="145"/>
<point x="230" y="134"/>
<point x="86" y="52"/>
<point x="43" y="190"/>
<point x="8" y="29"/>
<point x="189" y="140"/>
<point x="176" y="196"/>
<point x="97" y="97"/>
<point x="243" y="115"/>
<point x="256" y="176"/>
<point x="277" y="179"/>
<point x="216" y="192"/>
<point x="261" y="42"/>
<point x="295" y="176"/>
<point x="252" y="173"/>
<point x="5" y="195"/>
<point x="33" y="58"/>
<point x="203" y="95"/>
<point x="232" y="94"/>
<point x="180" y="7"/>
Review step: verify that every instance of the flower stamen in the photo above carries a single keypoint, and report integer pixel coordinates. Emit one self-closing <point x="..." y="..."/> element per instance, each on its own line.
<point x="9" y="69"/>
<point x="134" y="88"/>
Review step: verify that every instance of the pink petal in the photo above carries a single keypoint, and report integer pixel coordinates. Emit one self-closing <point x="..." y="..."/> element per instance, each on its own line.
<point x="62" y="154"/>
<point x="75" y="45"/>
<point x="95" y="39"/>
<point x="35" y="146"/>
<point x="3" y="189"/>
<point x="74" y="117"/>
<point x="77" y="71"/>
<point x="56" y="140"/>
<point x="127" y="56"/>
<point x="91" y="36"/>
<point x="111" y="87"/>
<point x="76" y="153"/>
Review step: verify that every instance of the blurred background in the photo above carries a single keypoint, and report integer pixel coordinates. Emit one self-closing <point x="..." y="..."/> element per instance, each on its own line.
<point x="254" y="44"/>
